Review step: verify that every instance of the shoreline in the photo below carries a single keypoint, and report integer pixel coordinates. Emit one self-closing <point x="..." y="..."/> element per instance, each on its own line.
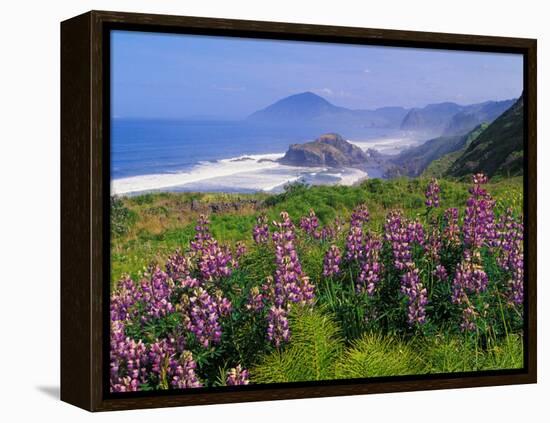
<point x="247" y="174"/>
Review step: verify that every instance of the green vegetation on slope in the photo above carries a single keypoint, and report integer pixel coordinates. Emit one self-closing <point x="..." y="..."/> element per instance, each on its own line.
<point x="434" y="157"/>
<point x="441" y="166"/>
<point x="414" y="160"/>
<point x="498" y="150"/>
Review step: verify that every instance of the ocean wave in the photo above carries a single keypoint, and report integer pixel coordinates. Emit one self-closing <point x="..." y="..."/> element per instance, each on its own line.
<point x="246" y="173"/>
<point x="202" y="171"/>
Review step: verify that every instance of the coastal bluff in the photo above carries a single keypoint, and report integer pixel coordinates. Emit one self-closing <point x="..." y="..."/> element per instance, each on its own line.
<point x="328" y="150"/>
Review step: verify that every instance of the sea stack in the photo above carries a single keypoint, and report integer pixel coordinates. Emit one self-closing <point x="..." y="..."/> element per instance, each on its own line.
<point x="328" y="150"/>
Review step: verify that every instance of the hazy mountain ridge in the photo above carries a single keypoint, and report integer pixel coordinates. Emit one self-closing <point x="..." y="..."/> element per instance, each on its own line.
<point x="312" y="108"/>
<point x="472" y="116"/>
<point x="451" y="118"/>
<point x="445" y="118"/>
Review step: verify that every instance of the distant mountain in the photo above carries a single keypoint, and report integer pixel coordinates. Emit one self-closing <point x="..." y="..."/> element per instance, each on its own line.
<point x="433" y="117"/>
<point x="298" y="107"/>
<point x="310" y="108"/>
<point x="451" y="118"/>
<point x="327" y="150"/>
<point x="498" y="150"/>
<point x="472" y="116"/>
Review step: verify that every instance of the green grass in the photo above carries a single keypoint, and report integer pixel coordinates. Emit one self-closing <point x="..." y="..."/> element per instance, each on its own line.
<point x="316" y="341"/>
<point x="377" y="355"/>
<point x="317" y="352"/>
<point x="452" y="354"/>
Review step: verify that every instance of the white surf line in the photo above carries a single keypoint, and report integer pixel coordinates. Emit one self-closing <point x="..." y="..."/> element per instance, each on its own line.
<point x="201" y="172"/>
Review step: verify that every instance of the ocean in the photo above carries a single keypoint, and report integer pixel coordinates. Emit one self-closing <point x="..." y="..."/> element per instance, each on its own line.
<point x="225" y="156"/>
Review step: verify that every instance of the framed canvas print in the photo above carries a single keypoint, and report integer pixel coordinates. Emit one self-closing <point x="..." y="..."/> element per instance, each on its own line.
<point x="256" y="211"/>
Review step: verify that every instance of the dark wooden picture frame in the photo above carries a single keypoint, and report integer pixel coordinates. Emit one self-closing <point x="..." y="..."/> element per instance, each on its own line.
<point x="85" y="211"/>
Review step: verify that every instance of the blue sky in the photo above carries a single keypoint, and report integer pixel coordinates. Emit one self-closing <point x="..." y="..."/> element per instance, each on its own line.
<point x="182" y="76"/>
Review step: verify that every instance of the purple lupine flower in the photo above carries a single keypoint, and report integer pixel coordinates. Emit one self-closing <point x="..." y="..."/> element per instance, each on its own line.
<point x="416" y="294"/>
<point x="255" y="300"/>
<point x="515" y="284"/>
<point x="178" y="268"/>
<point x="360" y="214"/>
<point x="290" y="282"/>
<point x="159" y="354"/>
<point x="331" y="262"/>
<point x="432" y="194"/>
<point x="260" y="233"/>
<point x="433" y="245"/>
<point x="156" y="288"/>
<point x="478" y="225"/>
<point x="182" y="372"/>
<point x="278" y="330"/>
<point x="469" y="279"/>
<point x="215" y="261"/>
<point x="172" y="365"/>
<point x="128" y="361"/>
<point x="440" y="273"/>
<point x="240" y="249"/>
<point x="469" y="315"/>
<point x="331" y="232"/>
<point x="202" y="233"/>
<point x="289" y="279"/>
<point x="371" y="269"/>
<point x="201" y="317"/>
<point x="354" y="239"/>
<point x="289" y="285"/>
<point x="309" y="224"/>
<point x="237" y="376"/>
<point x="285" y="229"/>
<point x="451" y="232"/>
<point x="124" y="299"/>
<point x="400" y="236"/>
<point x="508" y="239"/>
<point x="508" y="245"/>
<point x="415" y="232"/>
<point x="223" y="304"/>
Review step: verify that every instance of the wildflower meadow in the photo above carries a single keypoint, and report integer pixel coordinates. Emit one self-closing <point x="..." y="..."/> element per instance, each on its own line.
<point x="428" y="281"/>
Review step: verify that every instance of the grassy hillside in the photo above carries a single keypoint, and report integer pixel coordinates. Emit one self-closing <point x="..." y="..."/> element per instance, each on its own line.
<point x="441" y="166"/>
<point x="149" y="227"/>
<point x="498" y="150"/>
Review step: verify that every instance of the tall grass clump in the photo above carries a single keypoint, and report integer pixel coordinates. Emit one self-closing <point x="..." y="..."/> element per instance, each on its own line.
<point x="316" y="343"/>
